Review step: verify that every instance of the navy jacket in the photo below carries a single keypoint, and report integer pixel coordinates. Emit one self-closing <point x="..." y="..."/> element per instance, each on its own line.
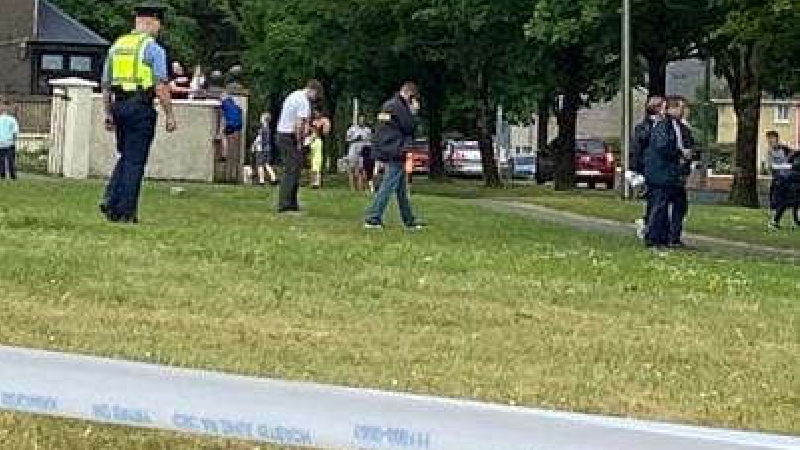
<point x="395" y="130"/>
<point x="662" y="161"/>
<point x="641" y="141"/>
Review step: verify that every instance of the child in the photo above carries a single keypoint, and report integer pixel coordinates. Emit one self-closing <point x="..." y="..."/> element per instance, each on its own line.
<point x="366" y="174"/>
<point x="262" y="152"/>
<point x="320" y="127"/>
<point x="232" y="123"/>
<point x="9" y="130"/>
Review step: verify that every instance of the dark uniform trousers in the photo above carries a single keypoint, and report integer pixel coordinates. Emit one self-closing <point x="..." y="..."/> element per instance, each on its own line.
<point x="135" y="122"/>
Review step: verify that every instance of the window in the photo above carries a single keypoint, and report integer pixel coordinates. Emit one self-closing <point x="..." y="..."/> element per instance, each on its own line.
<point x="782" y="114"/>
<point x="52" y="62"/>
<point x="80" y="63"/>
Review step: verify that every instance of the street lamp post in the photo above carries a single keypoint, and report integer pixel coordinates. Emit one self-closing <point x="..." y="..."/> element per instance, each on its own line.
<point x="626" y="95"/>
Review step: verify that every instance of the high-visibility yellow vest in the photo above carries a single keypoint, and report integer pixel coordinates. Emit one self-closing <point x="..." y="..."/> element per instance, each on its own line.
<point x="128" y="70"/>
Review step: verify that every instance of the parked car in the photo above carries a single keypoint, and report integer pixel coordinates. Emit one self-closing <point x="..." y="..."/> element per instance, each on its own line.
<point x="524" y="166"/>
<point x="464" y="158"/>
<point x="594" y="163"/>
<point x="420" y="151"/>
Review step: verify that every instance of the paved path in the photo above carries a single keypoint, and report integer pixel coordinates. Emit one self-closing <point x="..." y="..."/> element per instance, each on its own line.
<point x="585" y="223"/>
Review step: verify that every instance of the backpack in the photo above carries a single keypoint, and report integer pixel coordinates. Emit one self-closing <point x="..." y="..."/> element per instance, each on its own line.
<point x="232" y="114"/>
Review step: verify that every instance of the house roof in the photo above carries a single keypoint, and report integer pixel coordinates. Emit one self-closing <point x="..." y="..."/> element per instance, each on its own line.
<point x="56" y="26"/>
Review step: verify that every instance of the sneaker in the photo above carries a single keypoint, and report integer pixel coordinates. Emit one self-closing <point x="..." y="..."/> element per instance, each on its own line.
<point x="417" y="226"/>
<point x="373" y="226"/>
<point x="774" y="226"/>
<point x="641" y="229"/>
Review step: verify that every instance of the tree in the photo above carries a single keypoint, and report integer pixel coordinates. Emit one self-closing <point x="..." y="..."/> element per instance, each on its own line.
<point x="665" y="31"/>
<point x="198" y="31"/>
<point x="745" y="41"/>
<point x="583" y="39"/>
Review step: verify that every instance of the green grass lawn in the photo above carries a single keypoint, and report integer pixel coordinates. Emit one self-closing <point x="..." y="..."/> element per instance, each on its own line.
<point x="481" y="305"/>
<point x="737" y="224"/>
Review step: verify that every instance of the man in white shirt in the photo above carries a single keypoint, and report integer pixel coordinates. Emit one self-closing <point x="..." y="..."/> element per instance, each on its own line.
<point x="293" y="128"/>
<point x="358" y="137"/>
<point x="9" y="130"/>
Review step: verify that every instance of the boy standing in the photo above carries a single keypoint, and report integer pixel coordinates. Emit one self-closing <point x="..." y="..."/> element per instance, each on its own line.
<point x="9" y="129"/>
<point x="262" y="152"/>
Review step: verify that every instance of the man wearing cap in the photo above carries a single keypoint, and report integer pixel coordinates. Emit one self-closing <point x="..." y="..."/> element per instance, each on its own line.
<point x="135" y="74"/>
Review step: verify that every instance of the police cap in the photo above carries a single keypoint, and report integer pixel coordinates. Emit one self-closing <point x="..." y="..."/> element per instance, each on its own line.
<point x="150" y="9"/>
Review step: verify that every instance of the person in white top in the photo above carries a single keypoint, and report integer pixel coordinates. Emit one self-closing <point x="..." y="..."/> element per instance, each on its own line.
<point x="9" y="130"/>
<point x="293" y="129"/>
<point x="358" y="137"/>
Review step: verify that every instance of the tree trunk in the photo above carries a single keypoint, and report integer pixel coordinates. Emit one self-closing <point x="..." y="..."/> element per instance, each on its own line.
<point x="744" y="79"/>
<point x="657" y="75"/>
<point x="543" y="116"/>
<point x="483" y="127"/>
<point x="435" y="102"/>
<point x="332" y="143"/>
<point x="567" y="117"/>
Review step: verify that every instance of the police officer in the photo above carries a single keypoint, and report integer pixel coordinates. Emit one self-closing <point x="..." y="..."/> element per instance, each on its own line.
<point x="135" y="74"/>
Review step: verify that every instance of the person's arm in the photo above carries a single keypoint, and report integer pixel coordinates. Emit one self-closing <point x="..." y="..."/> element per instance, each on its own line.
<point x="108" y="98"/>
<point x="778" y="162"/>
<point x="301" y="126"/>
<point x="156" y="57"/>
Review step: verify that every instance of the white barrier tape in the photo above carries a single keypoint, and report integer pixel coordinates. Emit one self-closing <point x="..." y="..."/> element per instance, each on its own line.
<point x="310" y="415"/>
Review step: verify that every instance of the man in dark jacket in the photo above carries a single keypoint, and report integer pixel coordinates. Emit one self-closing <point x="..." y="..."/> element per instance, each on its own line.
<point x="664" y="174"/>
<point x="654" y="113"/>
<point x="394" y="133"/>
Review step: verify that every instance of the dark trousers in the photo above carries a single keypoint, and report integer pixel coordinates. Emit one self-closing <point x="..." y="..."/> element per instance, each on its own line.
<point x="292" y="157"/>
<point x="778" y="191"/>
<point x="678" y="208"/>
<point x="784" y="195"/>
<point x="392" y="182"/>
<point x="662" y="205"/>
<point x="135" y="123"/>
<point x="7" y="165"/>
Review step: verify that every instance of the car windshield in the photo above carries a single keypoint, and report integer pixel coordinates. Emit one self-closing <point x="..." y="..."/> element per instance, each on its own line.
<point x="591" y="146"/>
<point x="466" y="146"/>
<point x="526" y="161"/>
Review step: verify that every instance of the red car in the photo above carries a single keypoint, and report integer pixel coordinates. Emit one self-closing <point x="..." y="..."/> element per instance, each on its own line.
<point x="594" y="163"/>
<point x="421" y="155"/>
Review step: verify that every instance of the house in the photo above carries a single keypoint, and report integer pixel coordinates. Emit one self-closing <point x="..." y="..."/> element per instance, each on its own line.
<point x="600" y="120"/>
<point x="40" y="42"/>
<point x="781" y="115"/>
<point x="604" y="119"/>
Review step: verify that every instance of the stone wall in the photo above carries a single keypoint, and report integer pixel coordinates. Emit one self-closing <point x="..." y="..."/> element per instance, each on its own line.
<point x="81" y="147"/>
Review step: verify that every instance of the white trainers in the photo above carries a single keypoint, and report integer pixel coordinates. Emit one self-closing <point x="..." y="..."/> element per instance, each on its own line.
<point x="641" y="229"/>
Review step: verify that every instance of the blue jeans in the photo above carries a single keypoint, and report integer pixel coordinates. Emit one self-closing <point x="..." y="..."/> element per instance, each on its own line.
<point x="135" y="123"/>
<point x="393" y="182"/>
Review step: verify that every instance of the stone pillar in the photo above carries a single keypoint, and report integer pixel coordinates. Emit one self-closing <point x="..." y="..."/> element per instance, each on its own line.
<point x="72" y="127"/>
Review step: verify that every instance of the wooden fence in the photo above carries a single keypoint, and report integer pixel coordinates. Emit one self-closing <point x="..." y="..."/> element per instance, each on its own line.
<point x="32" y="112"/>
